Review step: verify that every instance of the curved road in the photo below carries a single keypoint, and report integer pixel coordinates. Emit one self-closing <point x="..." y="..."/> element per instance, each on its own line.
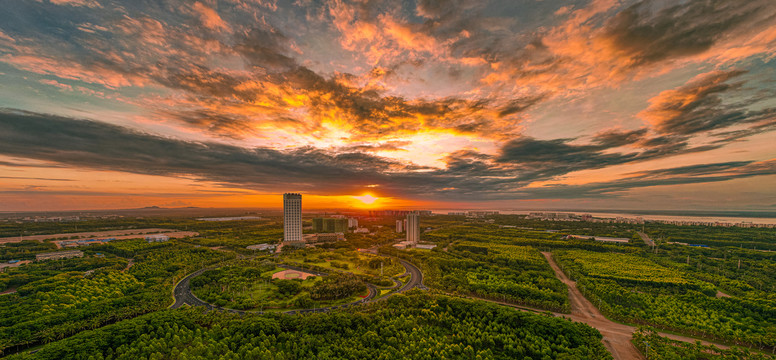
<point x="416" y="277"/>
<point x="183" y="295"/>
<point x="616" y="336"/>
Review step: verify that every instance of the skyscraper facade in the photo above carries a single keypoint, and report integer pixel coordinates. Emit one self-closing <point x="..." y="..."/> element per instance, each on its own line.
<point x="292" y="218"/>
<point x="399" y="226"/>
<point x="413" y="228"/>
<point x="330" y="225"/>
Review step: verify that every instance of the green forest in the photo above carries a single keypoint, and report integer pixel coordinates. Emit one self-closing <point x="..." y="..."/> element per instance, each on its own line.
<point x="645" y="292"/>
<point x="513" y="274"/>
<point x="112" y="303"/>
<point x="58" y="298"/>
<point x="417" y="326"/>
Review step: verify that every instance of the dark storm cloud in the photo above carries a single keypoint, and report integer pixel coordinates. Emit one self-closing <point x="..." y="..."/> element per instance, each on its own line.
<point x="216" y="123"/>
<point x="646" y="35"/>
<point x="615" y="138"/>
<point x="738" y="135"/>
<point x="519" y="105"/>
<point x="102" y="146"/>
<point x="470" y="175"/>
<point x="559" y="156"/>
<point x="700" y="106"/>
<point x="695" y="174"/>
<point x="704" y="173"/>
<point x="693" y="170"/>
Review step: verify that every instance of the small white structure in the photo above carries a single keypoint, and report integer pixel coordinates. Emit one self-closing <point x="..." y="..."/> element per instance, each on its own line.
<point x="262" y="247"/>
<point x="157" y="238"/>
<point x="401" y="245"/>
<point x="425" y="246"/>
<point x="600" y="238"/>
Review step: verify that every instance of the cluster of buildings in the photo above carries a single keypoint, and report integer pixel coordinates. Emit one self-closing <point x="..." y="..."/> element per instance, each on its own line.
<point x="60" y="218"/>
<point x="559" y="216"/>
<point x="397" y="213"/>
<point x="328" y="229"/>
<point x="599" y="238"/>
<point x="12" y="263"/>
<point x="411" y="226"/>
<point x="334" y="227"/>
<point x="564" y="216"/>
<point x="262" y="247"/>
<point x="330" y="225"/>
<point x="743" y="224"/>
<point x="474" y="213"/>
<point x="55" y="255"/>
<point x="231" y="218"/>
<point x="59" y="255"/>
<point x="157" y="238"/>
<point x="84" y="242"/>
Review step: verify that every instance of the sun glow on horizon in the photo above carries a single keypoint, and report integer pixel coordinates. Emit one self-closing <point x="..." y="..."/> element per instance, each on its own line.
<point x="367" y="199"/>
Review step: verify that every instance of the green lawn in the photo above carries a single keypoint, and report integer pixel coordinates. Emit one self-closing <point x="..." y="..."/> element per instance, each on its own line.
<point x="344" y="260"/>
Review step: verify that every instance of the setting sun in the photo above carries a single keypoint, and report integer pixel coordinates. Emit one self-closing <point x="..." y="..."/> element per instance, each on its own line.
<point x="366" y="199"/>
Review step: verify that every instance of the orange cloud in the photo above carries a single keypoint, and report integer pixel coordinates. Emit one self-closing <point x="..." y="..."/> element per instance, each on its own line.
<point x="210" y="17"/>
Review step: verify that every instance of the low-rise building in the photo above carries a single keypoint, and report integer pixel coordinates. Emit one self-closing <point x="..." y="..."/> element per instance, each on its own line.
<point x="330" y="225"/>
<point x="59" y="255"/>
<point x="157" y="238"/>
<point x="262" y="247"/>
<point x="13" y="263"/>
<point x="326" y="237"/>
<point x="403" y="244"/>
<point x="600" y="238"/>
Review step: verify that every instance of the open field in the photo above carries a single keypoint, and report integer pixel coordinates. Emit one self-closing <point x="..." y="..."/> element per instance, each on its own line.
<point x="259" y="285"/>
<point x="292" y="274"/>
<point x="355" y="262"/>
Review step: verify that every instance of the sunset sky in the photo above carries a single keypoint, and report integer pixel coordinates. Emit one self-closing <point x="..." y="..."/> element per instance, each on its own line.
<point x="597" y="104"/>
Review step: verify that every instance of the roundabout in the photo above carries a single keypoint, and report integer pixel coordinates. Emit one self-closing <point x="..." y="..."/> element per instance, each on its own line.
<point x="183" y="294"/>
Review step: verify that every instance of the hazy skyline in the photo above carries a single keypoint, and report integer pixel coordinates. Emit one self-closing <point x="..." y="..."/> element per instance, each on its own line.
<point x="495" y="104"/>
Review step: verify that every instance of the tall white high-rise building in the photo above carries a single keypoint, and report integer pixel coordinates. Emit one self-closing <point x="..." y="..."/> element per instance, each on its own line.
<point x="352" y="223"/>
<point x="292" y="218"/>
<point x="413" y="228"/>
<point x="399" y="226"/>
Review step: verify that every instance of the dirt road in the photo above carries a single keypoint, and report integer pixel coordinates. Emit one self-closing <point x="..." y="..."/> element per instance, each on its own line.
<point x="646" y="238"/>
<point x="616" y="336"/>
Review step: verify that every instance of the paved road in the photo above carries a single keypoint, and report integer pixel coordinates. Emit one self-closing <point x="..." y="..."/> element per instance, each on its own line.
<point x="646" y="238"/>
<point x="183" y="295"/>
<point x="416" y="277"/>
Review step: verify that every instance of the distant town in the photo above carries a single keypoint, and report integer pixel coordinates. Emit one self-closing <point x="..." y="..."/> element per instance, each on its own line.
<point x="354" y="215"/>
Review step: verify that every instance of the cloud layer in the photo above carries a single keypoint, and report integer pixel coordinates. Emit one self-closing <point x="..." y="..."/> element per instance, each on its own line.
<point x="427" y="99"/>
